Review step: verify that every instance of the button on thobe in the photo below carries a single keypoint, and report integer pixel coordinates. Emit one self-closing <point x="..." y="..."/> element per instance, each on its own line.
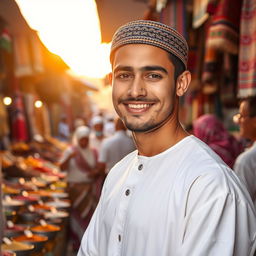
<point x="121" y="214"/>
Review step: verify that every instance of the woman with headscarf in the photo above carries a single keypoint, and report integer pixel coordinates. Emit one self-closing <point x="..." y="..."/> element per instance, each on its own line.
<point x="210" y="129"/>
<point x="79" y="160"/>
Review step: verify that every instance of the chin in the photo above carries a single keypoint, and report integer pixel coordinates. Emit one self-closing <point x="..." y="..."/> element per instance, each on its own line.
<point x="141" y="128"/>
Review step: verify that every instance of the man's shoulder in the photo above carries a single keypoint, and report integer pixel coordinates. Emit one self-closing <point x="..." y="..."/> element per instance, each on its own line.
<point x="108" y="141"/>
<point x="199" y="161"/>
<point x="196" y="151"/>
<point x="247" y="155"/>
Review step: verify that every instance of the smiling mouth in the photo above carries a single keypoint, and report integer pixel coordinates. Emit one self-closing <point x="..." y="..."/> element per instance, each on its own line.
<point x="137" y="107"/>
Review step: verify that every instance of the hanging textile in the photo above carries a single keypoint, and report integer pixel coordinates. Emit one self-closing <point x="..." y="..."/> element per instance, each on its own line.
<point x="224" y="29"/>
<point x="29" y="100"/>
<point x="174" y="15"/>
<point x="55" y="112"/>
<point x="22" y="59"/>
<point x="46" y="120"/>
<point x="38" y="118"/>
<point x="19" y="127"/>
<point x="200" y="14"/>
<point x="5" y="40"/>
<point x="247" y="50"/>
<point x="4" y="128"/>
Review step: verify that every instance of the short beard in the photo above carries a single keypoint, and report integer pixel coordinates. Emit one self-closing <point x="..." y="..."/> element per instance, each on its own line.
<point x="150" y="126"/>
<point x="146" y="128"/>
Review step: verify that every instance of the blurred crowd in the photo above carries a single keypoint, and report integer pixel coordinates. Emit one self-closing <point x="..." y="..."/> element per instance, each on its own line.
<point x="94" y="148"/>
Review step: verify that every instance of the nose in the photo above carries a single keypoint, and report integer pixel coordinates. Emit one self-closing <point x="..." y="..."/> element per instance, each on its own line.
<point x="236" y="118"/>
<point x="137" y="88"/>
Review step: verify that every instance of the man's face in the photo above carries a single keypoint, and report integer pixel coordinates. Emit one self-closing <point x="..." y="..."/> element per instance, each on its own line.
<point x="98" y="127"/>
<point x="246" y="123"/>
<point x="143" y="86"/>
<point x="83" y="142"/>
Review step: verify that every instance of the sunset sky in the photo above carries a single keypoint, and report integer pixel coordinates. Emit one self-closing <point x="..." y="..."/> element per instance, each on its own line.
<point x="70" y="29"/>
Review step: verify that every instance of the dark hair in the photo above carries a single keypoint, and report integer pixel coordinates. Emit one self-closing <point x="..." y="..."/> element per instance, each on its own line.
<point x="179" y="67"/>
<point x="252" y="105"/>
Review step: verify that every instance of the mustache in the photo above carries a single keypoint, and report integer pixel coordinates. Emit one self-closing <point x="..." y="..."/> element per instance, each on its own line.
<point x="139" y="99"/>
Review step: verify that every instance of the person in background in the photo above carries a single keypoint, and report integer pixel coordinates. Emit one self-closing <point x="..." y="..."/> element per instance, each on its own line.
<point x="80" y="161"/>
<point x="211" y="130"/>
<point x="173" y="195"/>
<point x="97" y="134"/>
<point x="114" y="148"/>
<point x="109" y="125"/>
<point x="63" y="129"/>
<point x="245" y="164"/>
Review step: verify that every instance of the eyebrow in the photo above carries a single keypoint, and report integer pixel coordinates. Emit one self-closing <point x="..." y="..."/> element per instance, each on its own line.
<point x="142" y="69"/>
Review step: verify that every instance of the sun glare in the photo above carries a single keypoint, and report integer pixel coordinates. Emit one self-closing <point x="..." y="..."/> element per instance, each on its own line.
<point x="70" y="29"/>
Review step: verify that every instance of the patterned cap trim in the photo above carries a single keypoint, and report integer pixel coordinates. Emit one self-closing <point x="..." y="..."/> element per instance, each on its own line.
<point x="151" y="33"/>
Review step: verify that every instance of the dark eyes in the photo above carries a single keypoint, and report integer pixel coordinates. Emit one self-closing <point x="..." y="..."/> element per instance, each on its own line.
<point x="154" y="76"/>
<point x="148" y="76"/>
<point x="123" y="76"/>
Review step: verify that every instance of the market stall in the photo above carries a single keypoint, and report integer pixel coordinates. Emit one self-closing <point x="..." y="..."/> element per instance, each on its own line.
<point x="34" y="199"/>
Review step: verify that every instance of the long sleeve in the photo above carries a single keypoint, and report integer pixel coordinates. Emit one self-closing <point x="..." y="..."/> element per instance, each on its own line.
<point x="217" y="222"/>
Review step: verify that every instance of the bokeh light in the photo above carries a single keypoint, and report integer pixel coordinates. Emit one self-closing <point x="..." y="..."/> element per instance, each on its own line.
<point x="7" y="101"/>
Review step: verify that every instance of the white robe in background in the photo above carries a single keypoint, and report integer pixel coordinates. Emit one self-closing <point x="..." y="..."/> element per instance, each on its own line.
<point x="245" y="168"/>
<point x="182" y="202"/>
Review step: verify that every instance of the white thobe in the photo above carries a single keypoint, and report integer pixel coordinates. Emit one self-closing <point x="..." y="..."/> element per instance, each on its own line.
<point x="245" y="168"/>
<point x="182" y="202"/>
<point x="75" y="174"/>
<point x="114" y="148"/>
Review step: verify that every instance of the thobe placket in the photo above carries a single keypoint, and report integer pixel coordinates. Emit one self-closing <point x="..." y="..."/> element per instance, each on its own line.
<point x="133" y="179"/>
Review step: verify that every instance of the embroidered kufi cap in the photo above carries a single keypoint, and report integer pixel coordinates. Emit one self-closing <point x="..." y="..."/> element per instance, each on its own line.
<point x="151" y="33"/>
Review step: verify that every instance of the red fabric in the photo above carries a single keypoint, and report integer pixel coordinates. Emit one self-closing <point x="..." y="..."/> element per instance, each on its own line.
<point x="81" y="162"/>
<point x="211" y="131"/>
<point x="212" y="6"/>
<point x="19" y="127"/>
<point x="224" y="30"/>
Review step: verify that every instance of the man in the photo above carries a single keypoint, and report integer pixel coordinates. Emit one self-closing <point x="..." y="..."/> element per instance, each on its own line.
<point x="79" y="160"/>
<point x="97" y="136"/>
<point x="114" y="148"/>
<point x="245" y="164"/>
<point x="109" y="125"/>
<point x="63" y="129"/>
<point x="174" y="195"/>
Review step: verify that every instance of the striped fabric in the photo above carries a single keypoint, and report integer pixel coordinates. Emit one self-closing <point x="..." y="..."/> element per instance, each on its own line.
<point x="247" y="52"/>
<point x="174" y="15"/>
<point x="224" y="29"/>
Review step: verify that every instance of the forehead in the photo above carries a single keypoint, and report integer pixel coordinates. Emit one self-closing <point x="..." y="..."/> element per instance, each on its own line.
<point x="141" y="55"/>
<point x="83" y="138"/>
<point x="244" y="107"/>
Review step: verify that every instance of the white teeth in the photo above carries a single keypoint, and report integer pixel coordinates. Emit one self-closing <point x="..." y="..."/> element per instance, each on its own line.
<point x="138" y="106"/>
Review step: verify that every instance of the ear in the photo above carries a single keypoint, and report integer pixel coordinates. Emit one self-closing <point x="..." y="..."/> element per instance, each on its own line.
<point x="110" y="78"/>
<point x="183" y="82"/>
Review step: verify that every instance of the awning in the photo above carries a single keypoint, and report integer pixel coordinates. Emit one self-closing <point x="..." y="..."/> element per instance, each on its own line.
<point x="83" y="82"/>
